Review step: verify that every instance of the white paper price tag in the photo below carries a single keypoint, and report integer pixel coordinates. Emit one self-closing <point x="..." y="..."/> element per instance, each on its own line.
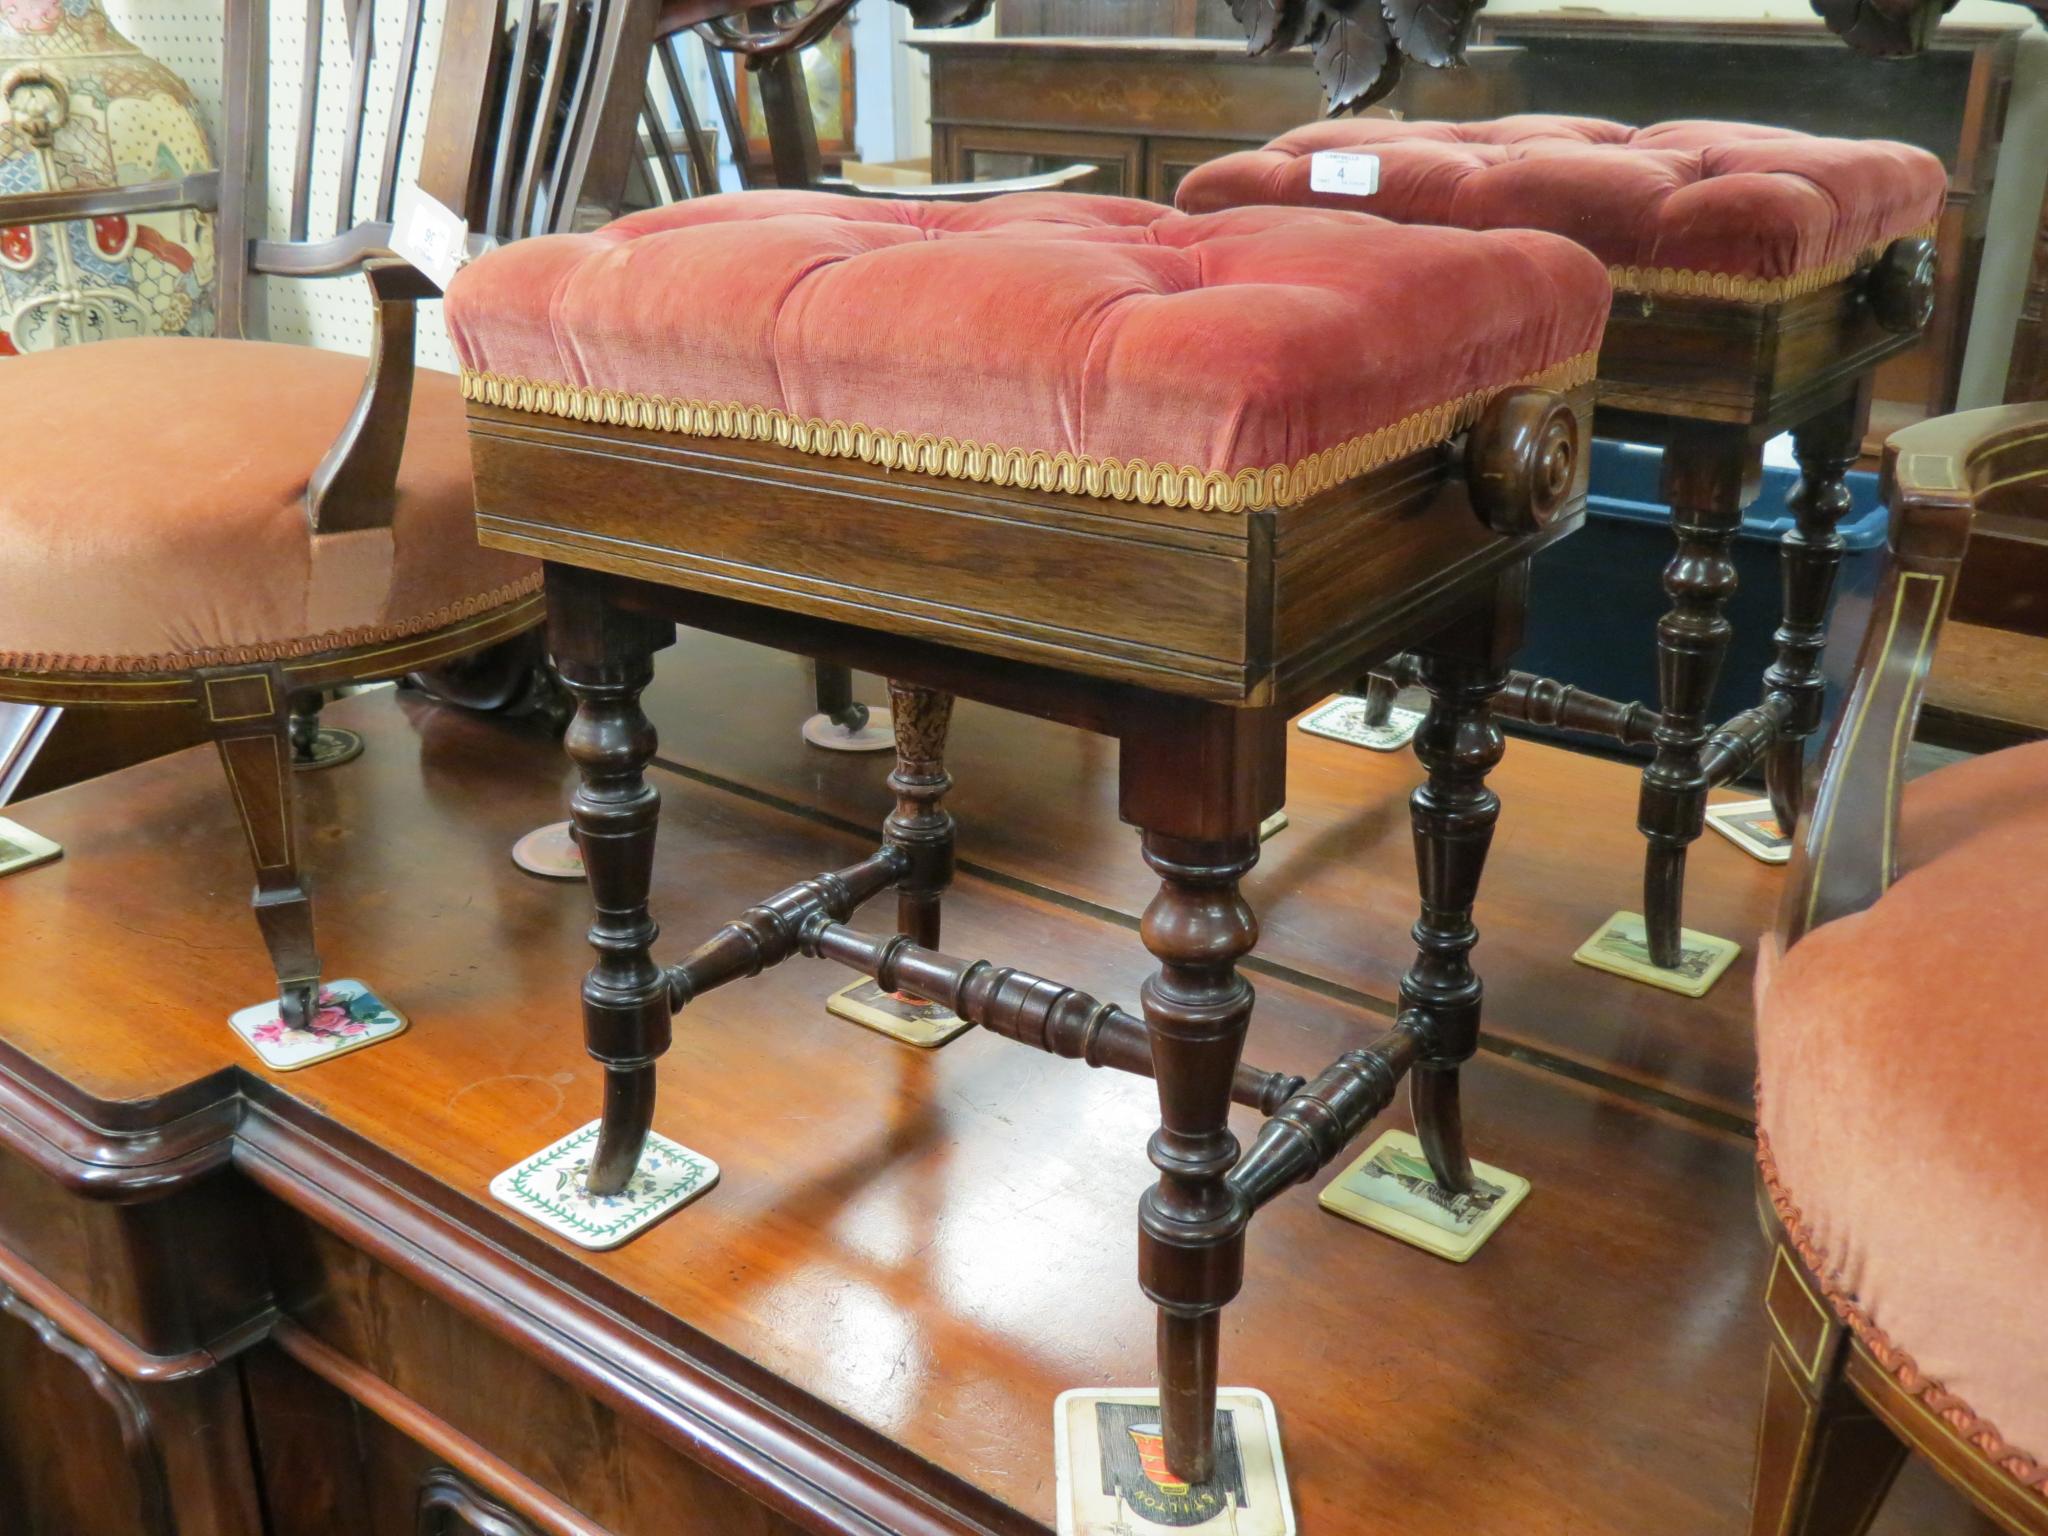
<point x="1344" y="171"/>
<point x="428" y="233"/>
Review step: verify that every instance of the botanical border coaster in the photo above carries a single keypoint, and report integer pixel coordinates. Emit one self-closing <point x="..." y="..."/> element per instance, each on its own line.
<point x="346" y="1017"/>
<point x="878" y="735"/>
<point x="551" y="852"/>
<point x="1343" y="719"/>
<point x="1752" y="826"/>
<point x="547" y="1188"/>
<point x="1391" y="1189"/>
<point x="925" y="1025"/>
<point x="23" y="849"/>
<point x="1621" y="945"/>
<point x="1111" y="1477"/>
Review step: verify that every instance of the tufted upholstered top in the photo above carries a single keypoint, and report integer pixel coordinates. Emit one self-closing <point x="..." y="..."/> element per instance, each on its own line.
<point x="1089" y="345"/>
<point x="1727" y="210"/>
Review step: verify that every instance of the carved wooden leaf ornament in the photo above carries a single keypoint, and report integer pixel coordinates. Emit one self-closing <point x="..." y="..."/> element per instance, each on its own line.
<point x="1355" y="54"/>
<point x="1432" y="32"/>
<point x="1271" y="26"/>
<point x="1887" y="29"/>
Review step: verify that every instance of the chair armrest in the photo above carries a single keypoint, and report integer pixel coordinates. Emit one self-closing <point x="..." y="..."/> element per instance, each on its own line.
<point x="1935" y="474"/>
<point x="964" y="191"/>
<point x="355" y="485"/>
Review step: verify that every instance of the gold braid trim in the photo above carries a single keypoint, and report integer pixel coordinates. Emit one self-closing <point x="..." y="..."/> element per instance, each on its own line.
<point x="1681" y="282"/>
<point x="1070" y="474"/>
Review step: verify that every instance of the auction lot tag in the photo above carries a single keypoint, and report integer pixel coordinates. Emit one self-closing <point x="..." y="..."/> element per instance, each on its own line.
<point x="1344" y="171"/>
<point x="428" y="233"/>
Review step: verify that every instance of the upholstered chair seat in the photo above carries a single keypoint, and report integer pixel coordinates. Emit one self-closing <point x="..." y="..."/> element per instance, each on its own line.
<point x="175" y="536"/>
<point x="1904" y="1106"/>
<point x="1084" y="345"/>
<point x="1730" y="210"/>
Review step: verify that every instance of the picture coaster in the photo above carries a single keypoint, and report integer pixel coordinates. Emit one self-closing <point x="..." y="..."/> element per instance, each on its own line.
<point x="1272" y="826"/>
<point x="926" y="1025"/>
<point x="1752" y="826"/>
<point x="547" y="1189"/>
<point x="1111" y="1477"/>
<point x="347" y="1017"/>
<point x="23" y="849"/>
<point x="1390" y="1188"/>
<point x="878" y="735"/>
<point x="332" y="746"/>
<point x="1343" y="719"/>
<point x="551" y="852"/>
<point x="1622" y="946"/>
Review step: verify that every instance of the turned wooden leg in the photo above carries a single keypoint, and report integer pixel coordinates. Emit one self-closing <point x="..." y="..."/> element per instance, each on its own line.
<point x="305" y="723"/>
<point x="1197" y="781"/>
<point x="1824" y="1461"/>
<point x="1709" y="477"/>
<point x="920" y="825"/>
<point x="249" y="714"/>
<point x="1453" y="813"/>
<point x="606" y="657"/>
<point x="833" y="683"/>
<point x="1811" y="554"/>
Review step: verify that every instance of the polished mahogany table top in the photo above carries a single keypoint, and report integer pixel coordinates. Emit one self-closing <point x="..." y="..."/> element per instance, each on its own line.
<point x="928" y="1247"/>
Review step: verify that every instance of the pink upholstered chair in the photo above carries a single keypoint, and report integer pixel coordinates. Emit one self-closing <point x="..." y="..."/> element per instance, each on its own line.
<point x="1901" y="1025"/>
<point x="262" y="522"/>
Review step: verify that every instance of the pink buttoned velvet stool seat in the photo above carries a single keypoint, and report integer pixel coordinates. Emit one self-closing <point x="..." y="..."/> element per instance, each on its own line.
<point x="1903" y="1080"/>
<point x="1161" y="477"/>
<point x="1760" y="276"/>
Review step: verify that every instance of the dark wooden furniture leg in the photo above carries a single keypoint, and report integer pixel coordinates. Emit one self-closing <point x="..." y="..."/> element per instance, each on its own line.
<point x="1824" y="1460"/>
<point x="606" y="657"/>
<point x="1826" y="446"/>
<point x="919" y="825"/>
<point x="1454" y="813"/>
<point x="1710" y="475"/>
<point x="249" y="714"/>
<point x="1197" y="782"/>
<point x="834" y="685"/>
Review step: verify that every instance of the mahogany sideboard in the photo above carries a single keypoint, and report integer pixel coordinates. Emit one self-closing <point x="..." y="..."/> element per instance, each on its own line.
<point x="1146" y="111"/>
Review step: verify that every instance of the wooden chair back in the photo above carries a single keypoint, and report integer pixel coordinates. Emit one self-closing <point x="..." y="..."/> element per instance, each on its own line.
<point x="528" y="130"/>
<point x="1940" y="477"/>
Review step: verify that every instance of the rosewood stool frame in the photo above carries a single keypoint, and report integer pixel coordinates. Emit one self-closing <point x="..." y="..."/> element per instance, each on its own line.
<point x="1712" y="380"/>
<point x="1311" y="594"/>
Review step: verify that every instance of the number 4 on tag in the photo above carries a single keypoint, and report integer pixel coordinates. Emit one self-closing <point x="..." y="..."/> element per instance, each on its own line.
<point x="1344" y="171"/>
<point x="428" y="233"/>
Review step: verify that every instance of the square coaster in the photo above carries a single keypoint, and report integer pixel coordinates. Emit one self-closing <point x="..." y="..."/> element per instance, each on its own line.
<point x="1343" y="719"/>
<point x="1752" y="826"/>
<point x="23" y="849"/>
<point x="348" y="1017"/>
<point x="925" y="1025"/>
<point x="1111" y="1476"/>
<point x="1390" y="1188"/>
<point x="1273" y="826"/>
<point x="547" y="1188"/>
<point x="1622" y="945"/>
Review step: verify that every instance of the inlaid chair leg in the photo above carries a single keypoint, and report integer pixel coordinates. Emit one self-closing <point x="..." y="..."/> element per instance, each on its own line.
<point x="920" y="825"/>
<point x="606" y="657"/>
<point x="1824" y="1461"/>
<point x="1453" y="814"/>
<point x="1708" y="480"/>
<point x="1200" y="836"/>
<point x="249" y="714"/>
<point x="1810" y="556"/>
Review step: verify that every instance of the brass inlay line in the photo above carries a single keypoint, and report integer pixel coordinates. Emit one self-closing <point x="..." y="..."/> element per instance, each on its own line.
<point x="1070" y="474"/>
<point x="1784" y="1261"/>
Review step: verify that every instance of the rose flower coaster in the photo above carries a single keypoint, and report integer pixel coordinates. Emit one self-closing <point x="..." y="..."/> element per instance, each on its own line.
<point x="347" y="1016"/>
<point x="1109" y="1462"/>
<point x="895" y="1014"/>
<point x="547" y="1188"/>
<point x="1343" y="719"/>
<point x="1391" y="1189"/>
<point x="1622" y="947"/>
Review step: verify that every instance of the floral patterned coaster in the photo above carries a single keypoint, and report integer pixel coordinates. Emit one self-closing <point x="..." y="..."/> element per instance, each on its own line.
<point x="547" y="1188"/>
<point x="1111" y="1476"/>
<point x="551" y="852"/>
<point x="349" y="1017"/>
<point x="1343" y="719"/>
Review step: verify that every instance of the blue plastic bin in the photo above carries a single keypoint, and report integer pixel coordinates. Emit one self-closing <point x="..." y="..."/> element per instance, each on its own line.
<point x="1595" y="597"/>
